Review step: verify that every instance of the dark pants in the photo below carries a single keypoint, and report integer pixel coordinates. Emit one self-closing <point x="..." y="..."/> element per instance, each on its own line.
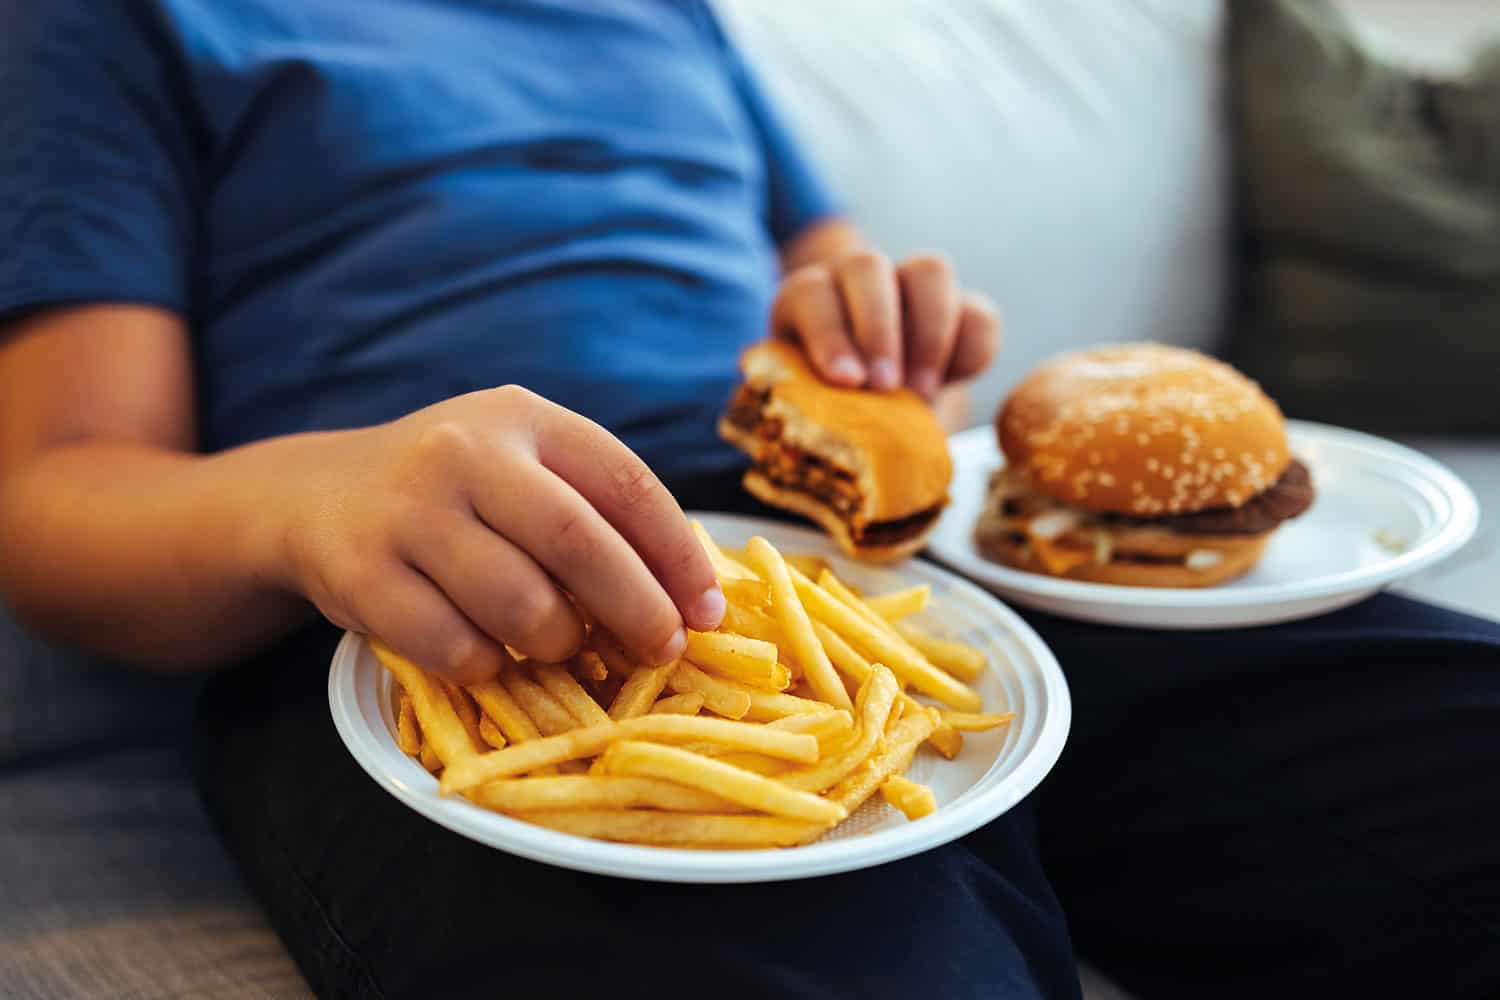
<point x="1306" y="810"/>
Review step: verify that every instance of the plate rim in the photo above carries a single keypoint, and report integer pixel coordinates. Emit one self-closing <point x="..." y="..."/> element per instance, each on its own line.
<point x="724" y="867"/>
<point x="1455" y="532"/>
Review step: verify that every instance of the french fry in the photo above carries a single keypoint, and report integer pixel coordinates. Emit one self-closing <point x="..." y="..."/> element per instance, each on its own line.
<point x="521" y="758"/>
<point x="490" y="733"/>
<point x="672" y="829"/>
<point x="652" y="760"/>
<point x="898" y="708"/>
<point x="756" y="763"/>
<point x="767" y="706"/>
<point x="611" y="652"/>
<point x="959" y="659"/>
<point x="441" y="728"/>
<point x="595" y="792"/>
<point x="725" y="567"/>
<point x="852" y="791"/>
<point x="408" y="732"/>
<point x="830" y="582"/>
<point x="679" y="704"/>
<point x="900" y="604"/>
<point x="752" y="622"/>
<point x="851" y="600"/>
<point x="640" y="691"/>
<point x="878" y="645"/>
<point x="805" y="563"/>
<point x="787" y="609"/>
<point x="509" y="717"/>
<point x="872" y="705"/>
<point x="719" y="696"/>
<point x="588" y="665"/>
<point x="500" y="708"/>
<point x="468" y="714"/>
<point x="606" y="691"/>
<point x="807" y="685"/>
<point x="911" y="798"/>
<point x="746" y="593"/>
<point x="822" y="725"/>
<point x="756" y="624"/>
<point x="945" y="739"/>
<point x="562" y="685"/>
<point x="546" y="711"/>
<point x="977" y="722"/>
<point x="739" y="657"/>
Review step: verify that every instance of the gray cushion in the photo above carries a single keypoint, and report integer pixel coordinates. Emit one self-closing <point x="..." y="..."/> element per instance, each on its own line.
<point x="56" y="701"/>
<point x="112" y="883"/>
<point x="1371" y="197"/>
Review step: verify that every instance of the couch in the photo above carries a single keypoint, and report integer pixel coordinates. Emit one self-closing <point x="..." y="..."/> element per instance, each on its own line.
<point x="1070" y="156"/>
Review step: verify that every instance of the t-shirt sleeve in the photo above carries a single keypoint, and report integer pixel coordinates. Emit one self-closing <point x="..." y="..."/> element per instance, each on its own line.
<point x="97" y="160"/>
<point x="797" y="195"/>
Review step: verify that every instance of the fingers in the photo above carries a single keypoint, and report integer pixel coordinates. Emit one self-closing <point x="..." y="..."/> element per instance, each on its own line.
<point x="978" y="339"/>
<point x="930" y="312"/>
<point x="808" y="307"/>
<point x="406" y="610"/>
<point x="496" y="586"/>
<point x="539" y="512"/>
<point x="866" y="324"/>
<point x="868" y="287"/>
<point x="629" y="496"/>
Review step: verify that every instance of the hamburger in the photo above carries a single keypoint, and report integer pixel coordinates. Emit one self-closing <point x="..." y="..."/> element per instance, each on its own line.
<point x="1140" y="464"/>
<point x="871" y="468"/>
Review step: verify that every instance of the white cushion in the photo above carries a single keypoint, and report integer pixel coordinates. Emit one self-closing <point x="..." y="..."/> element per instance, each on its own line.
<point x="1068" y="155"/>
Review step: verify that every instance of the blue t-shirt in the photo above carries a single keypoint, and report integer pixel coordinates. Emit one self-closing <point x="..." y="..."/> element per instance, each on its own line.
<point x="361" y="208"/>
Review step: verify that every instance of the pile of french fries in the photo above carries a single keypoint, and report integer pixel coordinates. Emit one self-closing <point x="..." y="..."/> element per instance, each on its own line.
<point x="768" y="732"/>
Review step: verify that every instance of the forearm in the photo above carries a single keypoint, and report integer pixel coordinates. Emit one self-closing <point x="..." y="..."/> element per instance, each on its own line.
<point x="169" y="560"/>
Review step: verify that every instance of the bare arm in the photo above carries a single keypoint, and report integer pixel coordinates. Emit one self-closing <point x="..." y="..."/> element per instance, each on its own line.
<point x="443" y="531"/>
<point x="116" y="536"/>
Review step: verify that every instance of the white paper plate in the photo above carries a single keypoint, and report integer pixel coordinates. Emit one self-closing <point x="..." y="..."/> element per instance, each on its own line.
<point x="1383" y="511"/>
<point x="995" y="771"/>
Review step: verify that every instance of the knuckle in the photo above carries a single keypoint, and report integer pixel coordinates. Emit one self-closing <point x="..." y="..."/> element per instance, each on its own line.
<point x="804" y="278"/>
<point x="635" y="487"/>
<point x="515" y="395"/>
<point x="574" y="540"/>
<point x="929" y="265"/>
<point x="864" y="262"/>
<point x="457" y="654"/>
<point x="531" y="610"/>
<point x="445" y="444"/>
<point x="981" y="311"/>
<point x="356" y="583"/>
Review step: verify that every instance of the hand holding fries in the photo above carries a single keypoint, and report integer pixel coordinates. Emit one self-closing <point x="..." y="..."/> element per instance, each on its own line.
<point x="750" y="740"/>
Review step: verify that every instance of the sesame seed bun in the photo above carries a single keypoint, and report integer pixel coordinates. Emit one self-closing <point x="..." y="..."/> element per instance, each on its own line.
<point x="1145" y="430"/>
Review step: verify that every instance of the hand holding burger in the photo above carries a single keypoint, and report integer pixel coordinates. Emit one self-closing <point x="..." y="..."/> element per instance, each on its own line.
<point x="871" y="468"/>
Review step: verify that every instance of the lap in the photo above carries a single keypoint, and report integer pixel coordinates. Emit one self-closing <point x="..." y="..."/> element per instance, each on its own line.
<point x="1309" y="807"/>
<point x="374" y="900"/>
